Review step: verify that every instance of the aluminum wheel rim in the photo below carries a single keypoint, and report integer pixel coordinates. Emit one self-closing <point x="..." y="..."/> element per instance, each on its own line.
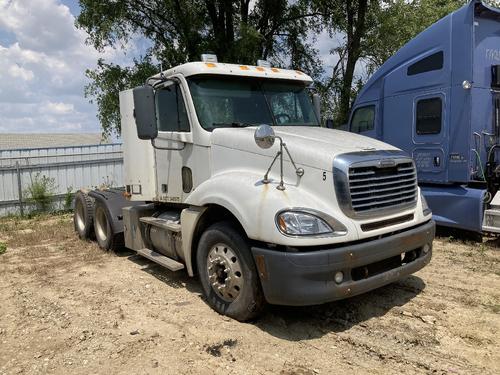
<point x="224" y="272"/>
<point x="80" y="214"/>
<point x="101" y="225"/>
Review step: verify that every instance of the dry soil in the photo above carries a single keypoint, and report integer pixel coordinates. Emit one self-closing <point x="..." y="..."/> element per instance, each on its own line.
<point x="66" y="307"/>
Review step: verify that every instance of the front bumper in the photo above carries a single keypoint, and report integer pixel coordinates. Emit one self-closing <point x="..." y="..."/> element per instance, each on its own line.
<point x="307" y="278"/>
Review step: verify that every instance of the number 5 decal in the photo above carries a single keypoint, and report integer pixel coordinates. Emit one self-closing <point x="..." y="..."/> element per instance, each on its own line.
<point x="324" y="176"/>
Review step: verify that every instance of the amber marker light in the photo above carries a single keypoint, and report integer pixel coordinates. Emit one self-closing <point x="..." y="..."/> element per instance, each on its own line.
<point x="282" y="224"/>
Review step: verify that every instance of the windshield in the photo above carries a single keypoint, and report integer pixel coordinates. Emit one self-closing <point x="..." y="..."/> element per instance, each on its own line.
<point x="223" y="101"/>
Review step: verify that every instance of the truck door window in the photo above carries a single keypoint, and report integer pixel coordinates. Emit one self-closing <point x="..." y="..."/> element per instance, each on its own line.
<point x="170" y="110"/>
<point x="429" y="116"/>
<point x="427" y="64"/>
<point x="363" y="119"/>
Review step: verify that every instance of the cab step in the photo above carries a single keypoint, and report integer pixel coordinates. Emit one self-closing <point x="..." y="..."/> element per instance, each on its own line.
<point x="161" y="223"/>
<point x="162" y="260"/>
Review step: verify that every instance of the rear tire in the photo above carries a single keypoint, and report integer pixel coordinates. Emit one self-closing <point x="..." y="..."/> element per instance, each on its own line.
<point x="83" y="215"/>
<point x="227" y="273"/>
<point x="106" y="238"/>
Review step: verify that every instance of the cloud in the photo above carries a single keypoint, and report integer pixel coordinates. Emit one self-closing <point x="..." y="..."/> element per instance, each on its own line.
<point x="59" y="108"/>
<point x="43" y="58"/>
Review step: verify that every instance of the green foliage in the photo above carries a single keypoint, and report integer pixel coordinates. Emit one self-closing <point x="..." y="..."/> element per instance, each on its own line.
<point x="398" y="21"/>
<point x="369" y="32"/>
<point x="364" y="33"/>
<point x="107" y="80"/>
<point x="493" y="3"/>
<point x="3" y="248"/>
<point x="178" y="32"/>
<point x="40" y="192"/>
<point x="68" y="198"/>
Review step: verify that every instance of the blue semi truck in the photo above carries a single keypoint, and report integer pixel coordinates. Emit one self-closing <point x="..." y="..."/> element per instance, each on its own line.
<point x="438" y="98"/>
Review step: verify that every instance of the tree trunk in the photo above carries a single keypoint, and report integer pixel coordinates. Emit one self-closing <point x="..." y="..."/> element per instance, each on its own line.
<point x="356" y="21"/>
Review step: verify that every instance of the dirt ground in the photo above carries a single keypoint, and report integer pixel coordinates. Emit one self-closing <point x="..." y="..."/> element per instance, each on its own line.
<point x="68" y="307"/>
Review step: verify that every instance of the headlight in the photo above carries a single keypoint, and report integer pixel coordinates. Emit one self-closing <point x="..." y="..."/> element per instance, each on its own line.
<point x="425" y="207"/>
<point x="308" y="223"/>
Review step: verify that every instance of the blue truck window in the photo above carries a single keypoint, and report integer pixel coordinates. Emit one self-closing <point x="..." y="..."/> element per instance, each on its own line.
<point x="363" y="119"/>
<point x="429" y="116"/>
<point x="170" y="110"/>
<point x="427" y="64"/>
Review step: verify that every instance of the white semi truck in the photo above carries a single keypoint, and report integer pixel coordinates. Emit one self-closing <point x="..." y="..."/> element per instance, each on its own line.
<point x="229" y="175"/>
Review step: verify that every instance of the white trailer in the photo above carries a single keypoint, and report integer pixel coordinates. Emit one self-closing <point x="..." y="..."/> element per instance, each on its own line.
<point x="229" y="176"/>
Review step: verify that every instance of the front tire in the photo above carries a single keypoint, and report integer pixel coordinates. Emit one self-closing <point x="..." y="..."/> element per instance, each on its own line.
<point x="106" y="238"/>
<point x="227" y="273"/>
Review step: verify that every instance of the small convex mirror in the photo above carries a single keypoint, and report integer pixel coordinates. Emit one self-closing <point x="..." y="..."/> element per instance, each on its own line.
<point x="264" y="136"/>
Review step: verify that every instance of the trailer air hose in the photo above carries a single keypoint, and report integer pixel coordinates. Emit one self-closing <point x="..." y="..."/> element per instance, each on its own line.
<point x="480" y="164"/>
<point x="490" y="152"/>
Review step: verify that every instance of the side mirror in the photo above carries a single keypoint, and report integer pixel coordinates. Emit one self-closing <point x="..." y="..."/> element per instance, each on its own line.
<point x="145" y="112"/>
<point x="317" y="105"/>
<point x="329" y="123"/>
<point x="264" y="136"/>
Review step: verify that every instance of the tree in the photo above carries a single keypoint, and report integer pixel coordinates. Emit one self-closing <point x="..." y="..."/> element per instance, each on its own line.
<point x="283" y="31"/>
<point x="398" y="21"/>
<point x="370" y="32"/>
<point x="351" y="19"/>
<point x="180" y="31"/>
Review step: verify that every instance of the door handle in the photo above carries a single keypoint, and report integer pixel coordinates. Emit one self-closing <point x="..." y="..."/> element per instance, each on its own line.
<point x="437" y="161"/>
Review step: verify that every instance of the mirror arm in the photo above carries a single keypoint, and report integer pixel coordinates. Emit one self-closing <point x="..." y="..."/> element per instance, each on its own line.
<point x="298" y="171"/>
<point x="266" y="176"/>
<point x="168" y="148"/>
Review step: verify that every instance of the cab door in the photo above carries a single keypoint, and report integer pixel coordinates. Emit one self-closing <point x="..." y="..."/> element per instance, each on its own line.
<point x="174" y="144"/>
<point x="430" y="143"/>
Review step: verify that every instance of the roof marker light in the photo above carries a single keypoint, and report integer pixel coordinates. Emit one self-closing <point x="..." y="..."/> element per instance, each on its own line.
<point x="260" y="69"/>
<point x="264" y="63"/>
<point x="275" y="70"/>
<point x="244" y="67"/>
<point x="208" y="57"/>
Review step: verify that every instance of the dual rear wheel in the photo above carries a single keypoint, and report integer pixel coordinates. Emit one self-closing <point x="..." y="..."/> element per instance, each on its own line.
<point x="92" y="221"/>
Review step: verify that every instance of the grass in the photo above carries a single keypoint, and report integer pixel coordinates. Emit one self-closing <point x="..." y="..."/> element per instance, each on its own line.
<point x="40" y="192"/>
<point x="3" y="248"/>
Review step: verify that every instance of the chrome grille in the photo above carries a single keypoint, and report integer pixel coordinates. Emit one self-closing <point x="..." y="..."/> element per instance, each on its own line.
<point x="373" y="188"/>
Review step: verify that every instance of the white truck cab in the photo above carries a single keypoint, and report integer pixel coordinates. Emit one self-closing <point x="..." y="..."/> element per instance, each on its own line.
<point x="229" y="175"/>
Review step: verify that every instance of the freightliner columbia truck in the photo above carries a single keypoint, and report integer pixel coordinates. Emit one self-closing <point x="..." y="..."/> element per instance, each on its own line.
<point x="229" y="176"/>
<point x="438" y="98"/>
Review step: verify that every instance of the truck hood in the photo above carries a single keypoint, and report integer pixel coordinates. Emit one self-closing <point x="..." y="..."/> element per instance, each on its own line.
<point x="310" y="146"/>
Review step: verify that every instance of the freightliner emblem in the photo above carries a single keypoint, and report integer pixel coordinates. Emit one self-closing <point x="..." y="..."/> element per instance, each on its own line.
<point x="385" y="163"/>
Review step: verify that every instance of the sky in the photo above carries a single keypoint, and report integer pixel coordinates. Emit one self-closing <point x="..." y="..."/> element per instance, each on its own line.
<point x="43" y="58"/>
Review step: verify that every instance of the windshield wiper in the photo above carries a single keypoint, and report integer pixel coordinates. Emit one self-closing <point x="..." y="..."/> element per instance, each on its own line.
<point x="234" y="124"/>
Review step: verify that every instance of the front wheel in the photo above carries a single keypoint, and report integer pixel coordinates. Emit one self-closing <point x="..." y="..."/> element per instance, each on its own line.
<point x="227" y="273"/>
